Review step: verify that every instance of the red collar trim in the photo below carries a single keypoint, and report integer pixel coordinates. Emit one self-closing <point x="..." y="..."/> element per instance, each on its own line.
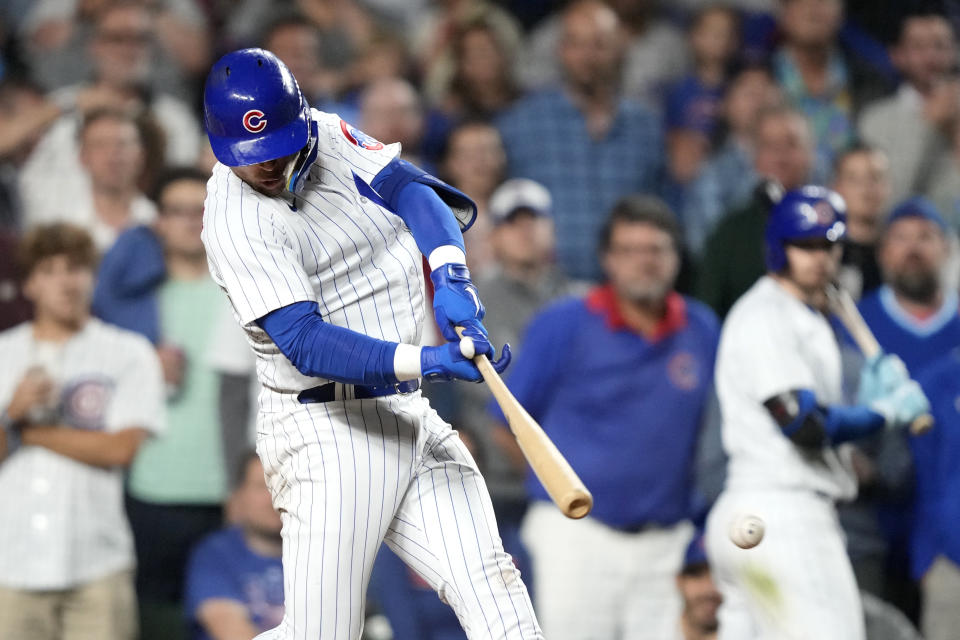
<point x="602" y="300"/>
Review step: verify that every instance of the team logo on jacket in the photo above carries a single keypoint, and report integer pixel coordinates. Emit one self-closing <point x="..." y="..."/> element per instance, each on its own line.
<point x="84" y="403"/>
<point x="254" y="121"/>
<point x="683" y="372"/>
<point x="359" y="138"/>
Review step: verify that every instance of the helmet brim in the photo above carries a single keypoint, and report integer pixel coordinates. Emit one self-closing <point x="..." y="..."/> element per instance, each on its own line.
<point x="277" y="143"/>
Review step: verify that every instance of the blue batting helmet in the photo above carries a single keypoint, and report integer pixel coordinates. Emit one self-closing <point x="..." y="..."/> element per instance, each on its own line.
<point x="802" y="214"/>
<point x="253" y="109"/>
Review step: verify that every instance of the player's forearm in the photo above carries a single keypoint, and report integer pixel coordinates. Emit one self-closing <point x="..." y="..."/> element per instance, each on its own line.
<point x="96" y="448"/>
<point x="322" y="350"/>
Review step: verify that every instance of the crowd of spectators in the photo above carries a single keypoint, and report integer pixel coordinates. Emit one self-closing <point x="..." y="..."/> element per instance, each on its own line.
<point x="613" y="148"/>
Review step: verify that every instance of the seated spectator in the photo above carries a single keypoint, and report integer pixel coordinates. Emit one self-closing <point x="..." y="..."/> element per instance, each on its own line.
<point x="234" y="581"/>
<point x="391" y="111"/>
<point x="862" y="177"/>
<point x="818" y="77"/>
<point x="696" y="98"/>
<point x="943" y="187"/>
<point x="78" y="399"/>
<point x="655" y="53"/>
<point x="477" y="79"/>
<point x="645" y="350"/>
<point x="911" y="125"/>
<point x="120" y="50"/>
<point x="112" y="157"/>
<point x="913" y="314"/>
<point x="733" y="255"/>
<point x="701" y="600"/>
<point x="584" y="140"/>
<point x="298" y="43"/>
<point x="56" y="34"/>
<point x="156" y="280"/>
<point x="728" y="178"/>
<point x="935" y="544"/>
<point x="474" y="161"/>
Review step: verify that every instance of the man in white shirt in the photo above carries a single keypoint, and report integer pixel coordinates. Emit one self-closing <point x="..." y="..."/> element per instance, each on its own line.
<point x="77" y="399"/>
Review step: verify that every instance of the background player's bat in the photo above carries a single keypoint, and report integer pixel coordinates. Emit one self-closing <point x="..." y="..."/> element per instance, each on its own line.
<point x="558" y="478"/>
<point x="846" y="310"/>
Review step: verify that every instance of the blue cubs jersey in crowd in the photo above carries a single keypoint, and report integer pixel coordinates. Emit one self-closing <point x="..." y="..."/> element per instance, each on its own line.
<point x="917" y="342"/>
<point x="937" y="459"/>
<point x="624" y="409"/>
<point x="223" y="566"/>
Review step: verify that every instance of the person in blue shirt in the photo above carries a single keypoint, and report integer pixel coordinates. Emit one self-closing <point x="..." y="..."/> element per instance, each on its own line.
<point x="915" y="316"/>
<point x="935" y="542"/>
<point x="234" y="584"/>
<point x="619" y="380"/>
<point x="583" y="140"/>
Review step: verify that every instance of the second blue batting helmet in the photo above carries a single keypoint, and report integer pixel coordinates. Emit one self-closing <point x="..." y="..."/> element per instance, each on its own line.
<point x="803" y="214"/>
<point x="253" y="109"/>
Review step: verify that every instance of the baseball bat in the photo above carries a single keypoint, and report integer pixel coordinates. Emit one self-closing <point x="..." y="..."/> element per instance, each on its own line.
<point x="846" y="310"/>
<point x="558" y="477"/>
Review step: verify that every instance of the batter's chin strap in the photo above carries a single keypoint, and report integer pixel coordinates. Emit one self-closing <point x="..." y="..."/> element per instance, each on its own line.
<point x="299" y="168"/>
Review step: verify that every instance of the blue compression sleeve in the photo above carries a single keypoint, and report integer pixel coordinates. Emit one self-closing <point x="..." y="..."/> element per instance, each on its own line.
<point x="849" y="423"/>
<point x="319" y="349"/>
<point x="430" y="220"/>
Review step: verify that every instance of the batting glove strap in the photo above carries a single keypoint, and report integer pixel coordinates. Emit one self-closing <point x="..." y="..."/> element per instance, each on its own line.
<point x="456" y="301"/>
<point x="11" y="428"/>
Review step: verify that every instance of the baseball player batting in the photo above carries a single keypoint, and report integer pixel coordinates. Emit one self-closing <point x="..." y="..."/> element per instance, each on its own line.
<point x="778" y="379"/>
<point x="315" y="231"/>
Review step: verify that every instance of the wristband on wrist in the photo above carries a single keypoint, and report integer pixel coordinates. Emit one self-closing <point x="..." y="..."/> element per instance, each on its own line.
<point x="10" y="428"/>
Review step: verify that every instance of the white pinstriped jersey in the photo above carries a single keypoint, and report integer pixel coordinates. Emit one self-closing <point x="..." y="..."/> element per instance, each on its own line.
<point x="327" y="244"/>
<point x="63" y="521"/>
<point x="772" y="343"/>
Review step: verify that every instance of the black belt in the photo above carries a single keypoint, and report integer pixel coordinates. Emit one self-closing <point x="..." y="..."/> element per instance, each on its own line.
<point x="329" y="392"/>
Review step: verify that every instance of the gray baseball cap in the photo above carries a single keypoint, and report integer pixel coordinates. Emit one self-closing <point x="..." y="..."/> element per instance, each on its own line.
<point x="516" y="194"/>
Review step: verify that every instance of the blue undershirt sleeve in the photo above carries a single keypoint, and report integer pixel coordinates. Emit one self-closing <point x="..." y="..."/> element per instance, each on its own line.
<point x="843" y="424"/>
<point x="429" y="218"/>
<point x="319" y="349"/>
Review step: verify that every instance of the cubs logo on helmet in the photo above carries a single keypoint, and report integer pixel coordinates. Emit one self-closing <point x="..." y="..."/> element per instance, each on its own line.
<point x="359" y="138"/>
<point x="254" y="121"/>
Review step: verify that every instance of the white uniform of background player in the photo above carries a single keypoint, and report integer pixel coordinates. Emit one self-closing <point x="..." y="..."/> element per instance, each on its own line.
<point x="797" y="584"/>
<point x="347" y="474"/>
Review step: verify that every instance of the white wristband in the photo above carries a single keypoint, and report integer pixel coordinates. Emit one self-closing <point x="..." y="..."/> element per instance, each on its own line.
<point x="406" y="362"/>
<point x="446" y="254"/>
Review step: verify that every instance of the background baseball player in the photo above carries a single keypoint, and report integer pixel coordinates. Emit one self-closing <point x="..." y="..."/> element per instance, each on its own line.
<point x="315" y="231"/>
<point x="778" y="379"/>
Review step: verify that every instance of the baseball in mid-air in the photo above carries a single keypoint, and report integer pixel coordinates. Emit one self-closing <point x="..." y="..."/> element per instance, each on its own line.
<point x="746" y="531"/>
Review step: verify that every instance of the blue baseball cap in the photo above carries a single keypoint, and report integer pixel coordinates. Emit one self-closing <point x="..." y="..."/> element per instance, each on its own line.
<point x="917" y="207"/>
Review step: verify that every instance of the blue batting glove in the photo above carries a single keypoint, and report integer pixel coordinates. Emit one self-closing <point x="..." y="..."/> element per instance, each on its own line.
<point x="902" y="406"/>
<point x="456" y="301"/>
<point x="880" y="376"/>
<point x="454" y="360"/>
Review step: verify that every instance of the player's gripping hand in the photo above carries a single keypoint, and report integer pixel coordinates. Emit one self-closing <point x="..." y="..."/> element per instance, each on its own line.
<point x="456" y="302"/>
<point x="903" y="405"/>
<point x="454" y="360"/>
<point x="880" y="376"/>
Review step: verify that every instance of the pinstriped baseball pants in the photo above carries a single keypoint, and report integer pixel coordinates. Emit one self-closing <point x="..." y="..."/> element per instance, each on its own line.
<point x="350" y="474"/>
